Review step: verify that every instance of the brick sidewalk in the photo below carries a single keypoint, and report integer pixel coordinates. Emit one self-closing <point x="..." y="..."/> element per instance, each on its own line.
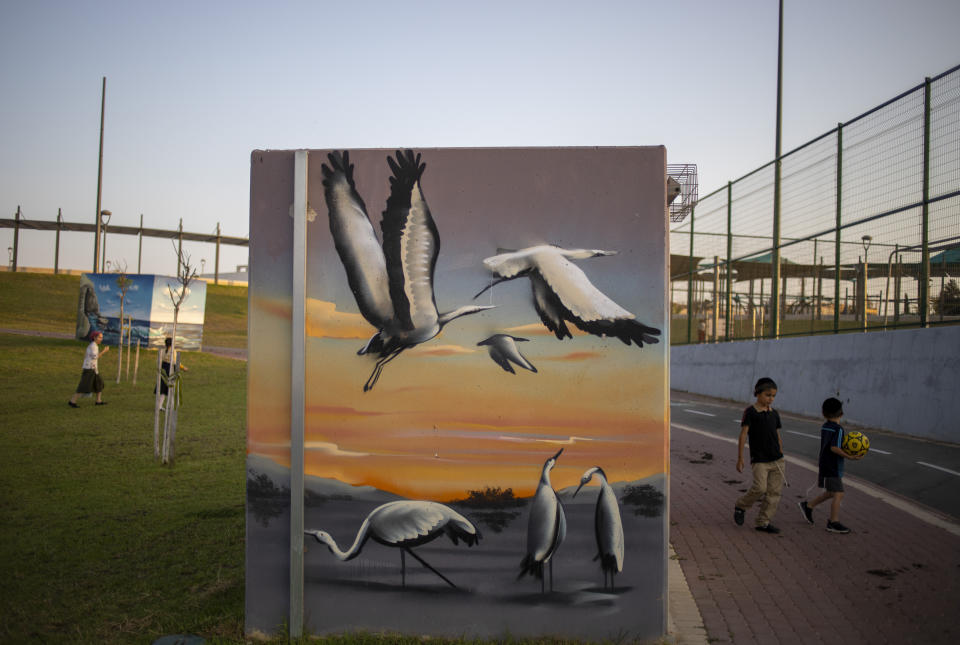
<point x="894" y="579"/>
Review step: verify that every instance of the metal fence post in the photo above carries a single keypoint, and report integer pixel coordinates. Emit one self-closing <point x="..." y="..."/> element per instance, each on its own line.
<point x="814" y="305"/>
<point x="179" y="244"/>
<point x="729" y="289"/>
<point x="216" y="260"/>
<point x="140" y="244"/>
<point x="715" y="305"/>
<point x="56" y="247"/>
<point x="836" y="240"/>
<point x="923" y="301"/>
<point x="690" y="276"/>
<point x="16" y="240"/>
<point x="297" y="393"/>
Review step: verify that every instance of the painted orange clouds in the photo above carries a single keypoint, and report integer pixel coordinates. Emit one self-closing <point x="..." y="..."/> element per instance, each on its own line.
<point x="574" y="356"/>
<point x="324" y="320"/>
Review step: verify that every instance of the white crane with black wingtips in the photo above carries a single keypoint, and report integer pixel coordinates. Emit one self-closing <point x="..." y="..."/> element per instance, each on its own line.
<point x="392" y="284"/>
<point x="562" y="293"/>
<point x="403" y="525"/>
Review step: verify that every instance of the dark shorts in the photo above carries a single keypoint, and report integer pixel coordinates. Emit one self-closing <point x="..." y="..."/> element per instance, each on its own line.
<point x="832" y="484"/>
<point x="90" y="382"/>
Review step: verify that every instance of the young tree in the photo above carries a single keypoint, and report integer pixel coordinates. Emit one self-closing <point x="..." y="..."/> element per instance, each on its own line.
<point x="123" y="283"/>
<point x="948" y="302"/>
<point x="186" y="273"/>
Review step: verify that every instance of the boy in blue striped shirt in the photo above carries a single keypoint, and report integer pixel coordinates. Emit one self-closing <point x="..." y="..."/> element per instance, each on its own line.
<point x="830" y="470"/>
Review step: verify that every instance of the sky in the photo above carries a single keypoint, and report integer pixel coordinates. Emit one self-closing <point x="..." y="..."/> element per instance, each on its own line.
<point x="193" y="88"/>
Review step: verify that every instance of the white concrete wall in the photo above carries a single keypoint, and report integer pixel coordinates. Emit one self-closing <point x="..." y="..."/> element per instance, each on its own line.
<point x="907" y="381"/>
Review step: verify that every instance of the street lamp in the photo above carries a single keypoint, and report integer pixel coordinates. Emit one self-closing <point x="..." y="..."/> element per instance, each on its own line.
<point x="865" y="240"/>
<point x="203" y="264"/>
<point x="108" y="266"/>
<point x="10" y="256"/>
<point x="104" y="219"/>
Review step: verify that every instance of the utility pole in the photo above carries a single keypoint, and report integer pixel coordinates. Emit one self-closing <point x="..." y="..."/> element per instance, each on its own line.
<point x="775" y="255"/>
<point x="96" y="243"/>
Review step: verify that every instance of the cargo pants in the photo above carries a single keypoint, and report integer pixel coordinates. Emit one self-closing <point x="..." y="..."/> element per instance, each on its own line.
<point x="768" y="478"/>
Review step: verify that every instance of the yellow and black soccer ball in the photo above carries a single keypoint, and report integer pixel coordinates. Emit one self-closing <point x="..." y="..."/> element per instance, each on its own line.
<point x="855" y="443"/>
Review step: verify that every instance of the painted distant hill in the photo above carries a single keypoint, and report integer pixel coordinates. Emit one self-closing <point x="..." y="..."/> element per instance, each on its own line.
<point x="643" y="491"/>
<point x="589" y="492"/>
<point x="321" y="487"/>
<point x="644" y="497"/>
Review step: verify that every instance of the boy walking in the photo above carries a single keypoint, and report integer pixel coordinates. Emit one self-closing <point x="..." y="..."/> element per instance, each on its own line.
<point x="830" y="467"/>
<point x="761" y="424"/>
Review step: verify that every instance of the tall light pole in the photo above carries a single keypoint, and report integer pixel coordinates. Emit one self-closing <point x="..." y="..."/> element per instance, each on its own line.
<point x="96" y="241"/>
<point x="102" y="225"/>
<point x="865" y="240"/>
<point x="775" y="254"/>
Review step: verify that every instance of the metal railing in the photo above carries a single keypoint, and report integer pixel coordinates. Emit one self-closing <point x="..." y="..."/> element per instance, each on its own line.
<point x="18" y="223"/>
<point x="869" y="231"/>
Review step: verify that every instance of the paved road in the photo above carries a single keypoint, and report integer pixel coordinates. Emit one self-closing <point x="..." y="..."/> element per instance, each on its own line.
<point x="927" y="472"/>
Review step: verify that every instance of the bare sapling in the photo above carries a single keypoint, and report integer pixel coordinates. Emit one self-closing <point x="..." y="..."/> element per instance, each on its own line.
<point x="186" y="273"/>
<point x="123" y="284"/>
<point x="157" y="404"/>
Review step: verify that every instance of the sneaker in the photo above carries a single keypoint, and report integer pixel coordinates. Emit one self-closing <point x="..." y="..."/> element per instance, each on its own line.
<point x="806" y="510"/>
<point x="768" y="528"/>
<point x="72" y="404"/>
<point x="837" y="527"/>
<point x="738" y="515"/>
<point x="101" y="402"/>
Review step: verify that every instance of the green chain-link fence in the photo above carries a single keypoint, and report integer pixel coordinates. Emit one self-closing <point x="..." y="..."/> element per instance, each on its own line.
<point x="869" y="231"/>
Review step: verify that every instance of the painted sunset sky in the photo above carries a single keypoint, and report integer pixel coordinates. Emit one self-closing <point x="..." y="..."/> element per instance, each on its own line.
<point x="444" y="418"/>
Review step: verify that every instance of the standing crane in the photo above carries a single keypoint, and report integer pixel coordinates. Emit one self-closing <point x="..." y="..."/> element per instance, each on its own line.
<point x="393" y="285"/>
<point x="607" y="525"/>
<point x="547" y="527"/>
<point x="562" y="293"/>
<point x="403" y="525"/>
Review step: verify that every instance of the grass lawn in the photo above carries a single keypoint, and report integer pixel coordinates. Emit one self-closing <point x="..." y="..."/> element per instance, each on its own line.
<point x="225" y="319"/>
<point x="99" y="542"/>
<point x="39" y="301"/>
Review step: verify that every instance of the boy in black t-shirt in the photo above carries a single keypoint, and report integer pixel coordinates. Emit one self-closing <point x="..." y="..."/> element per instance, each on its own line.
<point x="830" y="470"/>
<point x="761" y="424"/>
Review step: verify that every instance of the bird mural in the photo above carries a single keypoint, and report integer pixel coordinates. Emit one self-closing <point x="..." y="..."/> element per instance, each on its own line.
<point x="403" y="525"/>
<point x="503" y="350"/>
<point x="392" y="282"/>
<point x="547" y="527"/>
<point x="562" y="293"/>
<point x="607" y="525"/>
